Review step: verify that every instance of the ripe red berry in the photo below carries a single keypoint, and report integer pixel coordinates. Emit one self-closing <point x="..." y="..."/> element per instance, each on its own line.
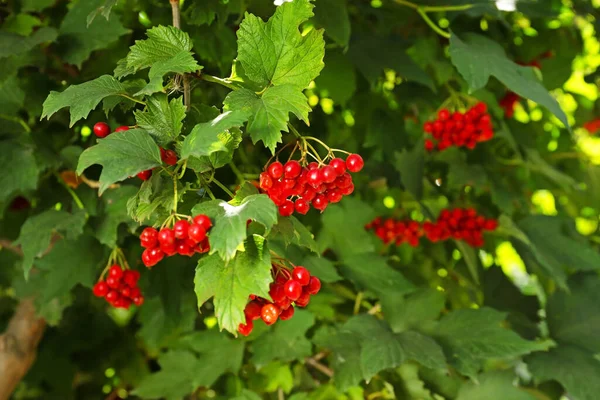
<point x="287" y="208"/>
<point x="265" y="181"/>
<point x="122" y="128"/>
<point x="429" y="145"/>
<point x="246" y="329"/>
<point x="286" y="314"/>
<point x="277" y="292"/>
<point x="168" y="249"/>
<point x="354" y="163"/>
<point x="338" y="165"/>
<point x="275" y="170"/>
<point x="116" y="272"/>
<point x="292" y="169"/>
<point x="101" y="129"/>
<point x="145" y="175"/>
<point x="112" y="282"/>
<point x="138" y="301"/>
<point x="149" y="237"/>
<point x="180" y="229"/>
<point x="203" y="221"/>
<point x="348" y="190"/>
<point x="303" y="299"/>
<point x="131" y="278"/>
<point x="334" y="195"/>
<point x="269" y="313"/>
<point x="169" y="157"/>
<point x="302" y="275"/>
<point x="320" y="202"/>
<point x="111" y="296"/>
<point x="100" y="289"/>
<point x="292" y="289"/>
<point x="253" y="310"/>
<point x="490" y="225"/>
<point x="443" y="114"/>
<point x="166" y="237"/>
<point x="328" y="174"/>
<point x="302" y="206"/>
<point x="314" y="285"/>
<point x="183" y="248"/>
<point x="313" y="178"/>
<point x="197" y="233"/>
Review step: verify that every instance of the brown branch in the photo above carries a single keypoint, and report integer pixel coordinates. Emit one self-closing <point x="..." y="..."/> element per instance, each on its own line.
<point x="8" y="245"/>
<point x="18" y="346"/>
<point x="317" y="365"/>
<point x="177" y="24"/>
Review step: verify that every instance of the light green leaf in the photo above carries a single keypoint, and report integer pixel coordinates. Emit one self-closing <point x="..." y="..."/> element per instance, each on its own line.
<point x="322" y="268"/>
<point x="229" y="230"/>
<point x="277" y="375"/>
<point x="21" y="163"/>
<point x="333" y="16"/>
<point x="495" y="385"/>
<point x="247" y="395"/>
<point x="181" y="63"/>
<point x="163" y="43"/>
<point x="477" y="58"/>
<point x="104" y="10"/>
<point x="122" y="154"/>
<point x="162" y="119"/>
<point x="286" y="342"/>
<point x="371" y="271"/>
<point x="37" y="232"/>
<point x="269" y="113"/>
<point x="275" y="53"/>
<point x="115" y="213"/>
<point x="83" y="98"/>
<point x="153" y="201"/>
<point x="11" y="43"/>
<point x="80" y="39"/>
<point x="230" y="283"/>
<point x="204" y="139"/>
<point x="468" y="352"/>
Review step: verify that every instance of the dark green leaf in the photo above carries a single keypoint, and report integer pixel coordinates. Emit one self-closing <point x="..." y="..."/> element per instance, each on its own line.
<point x="410" y="311"/>
<point x="333" y="16"/>
<point x="163" y="119"/>
<point x="104" y="10"/>
<point x="11" y="43"/>
<point x="322" y="268"/>
<point x="21" y="163"/>
<point x="411" y="165"/>
<point x="372" y="272"/>
<point x="115" y="213"/>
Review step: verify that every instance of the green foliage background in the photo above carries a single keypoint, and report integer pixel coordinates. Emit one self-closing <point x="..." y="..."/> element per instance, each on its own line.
<point x="518" y="319"/>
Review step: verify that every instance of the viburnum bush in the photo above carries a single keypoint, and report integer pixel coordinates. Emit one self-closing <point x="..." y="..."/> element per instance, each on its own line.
<point x="328" y="199"/>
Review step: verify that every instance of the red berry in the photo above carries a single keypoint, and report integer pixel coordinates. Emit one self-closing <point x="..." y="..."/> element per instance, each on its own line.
<point x="145" y="175"/>
<point x="166" y="237"/>
<point x="203" y="246"/>
<point x="125" y="291"/>
<point x="328" y="174"/>
<point x="429" y="145"/>
<point x="265" y="181"/>
<point x="313" y="178"/>
<point x="101" y="129"/>
<point x="284" y="303"/>
<point x="269" y="313"/>
<point x="303" y="299"/>
<point x="354" y="163"/>
<point x="277" y="292"/>
<point x="292" y="169"/>
<point x="314" y="285"/>
<point x="116" y="272"/>
<point x="348" y="190"/>
<point x="490" y="225"/>
<point x="287" y="208"/>
<point x="428" y="127"/>
<point x="100" y="289"/>
<point x="111" y="296"/>
<point x="302" y="206"/>
<point x="302" y="275"/>
<point x="183" y="248"/>
<point x="287" y="313"/>
<point x="338" y="165"/>
<point x="138" y="301"/>
<point x="203" y="221"/>
<point x="334" y="195"/>
<point x="180" y="229"/>
<point x="275" y="170"/>
<point x="292" y="289"/>
<point x="131" y="277"/>
<point x="443" y="114"/>
<point x="169" y="157"/>
<point x="112" y="282"/>
<point x="320" y="202"/>
<point x="168" y="249"/>
<point x="122" y="128"/>
<point x="197" y="233"/>
<point x="246" y="329"/>
<point x="149" y="238"/>
<point x="253" y="310"/>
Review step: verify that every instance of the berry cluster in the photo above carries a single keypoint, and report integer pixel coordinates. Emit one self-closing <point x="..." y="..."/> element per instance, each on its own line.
<point x="314" y="184"/>
<point x="184" y="239"/>
<point x="102" y="130"/>
<point x="295" y="287"/>
<point x="459" y="129"/>
<point x="169" y="157"/>
<point x="398" y="232"/>
<point x="120" y="288"/>
<point x="461" y="224"/>
<point x="592" y="126"/>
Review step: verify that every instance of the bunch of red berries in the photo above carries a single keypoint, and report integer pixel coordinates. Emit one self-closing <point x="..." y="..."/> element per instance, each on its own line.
<point x="169" y="157"/>
<point x="459" y="129"/>
<point x="396" y="231"/>
<point x="120" y="288"/>
<point x="102" y="130"/>
<point x="294" y="187"/>
<point x="461" y="224"/>
<point x="184" y="239"/>
<point x="295" y="287"/>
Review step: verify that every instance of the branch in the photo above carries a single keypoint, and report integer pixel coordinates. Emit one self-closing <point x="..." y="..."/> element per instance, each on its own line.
<point x="177" y="24"/>
<point x="18" y="346"/>
<point x="317" y="365"/>
<point x="8" y="245"/>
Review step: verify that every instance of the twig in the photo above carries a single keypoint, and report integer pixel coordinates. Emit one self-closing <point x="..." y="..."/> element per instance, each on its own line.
<point x="317" y="365"/>
<point x="7" y="244"/>
<point x="95" y="184"/>
<point x="280" y="395"/>
<point x="186" y="82"/>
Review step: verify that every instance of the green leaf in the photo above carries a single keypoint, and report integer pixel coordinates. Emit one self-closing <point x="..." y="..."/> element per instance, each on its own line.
<point x="576" y="369"/>
<point x="35" y="5"/>
<point x="230" y="283"/>
<point x="337" y="81"/>
<point x="470" y="258"/>
<point x="83" y="98"/>
<point x="322" y="268"/>
<point x="21" y="163"/>
<point x="115" y="213"/>
<point x="153" y="201"/>
<point x="269" y="113"/>
<point x="80" y="38"/>
<point x="122" y="154"/>
<point x="37" y="231"/>
<point x="229" y="230"/>
<point x="277" y="375"/>
<point x="275" y="53"/>
<point x="181" y="63"/>
<point x="292" y="231"/>
<point x="163" y="120"/>
<point x="423" y="349"/>
<point x="247" y="395"/>
<point x="163" y="44"/>
<point x="286" y="342"/>
<point x="496" y="385"/>
<point x="468" y="352"/>
<point x="371" y="271"/>
<point x="204" y="139"/>
<point x="333" y="16"/>
<point x="104" y="10"/>
<point x="477" y="58"/>
<point x="12" y="44"/>
<point x="411" y="165"/>
<point x="12" y="96"/>
<point x="410" y="311"/>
